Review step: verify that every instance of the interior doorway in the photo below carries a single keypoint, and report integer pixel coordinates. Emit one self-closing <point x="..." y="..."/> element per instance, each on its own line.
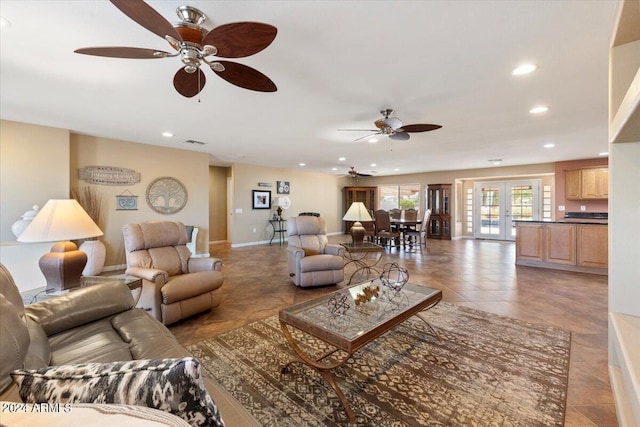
<point x="500" y="203"/>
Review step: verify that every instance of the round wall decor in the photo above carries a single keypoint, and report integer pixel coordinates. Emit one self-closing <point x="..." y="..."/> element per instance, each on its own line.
<point x="166" y="195"/>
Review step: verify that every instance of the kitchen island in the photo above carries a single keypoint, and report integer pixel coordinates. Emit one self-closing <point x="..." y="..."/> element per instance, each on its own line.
<point x="573" y="244"/>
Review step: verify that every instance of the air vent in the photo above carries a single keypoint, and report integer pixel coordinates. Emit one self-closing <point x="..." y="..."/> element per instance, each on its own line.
<point x="194" y="142"/>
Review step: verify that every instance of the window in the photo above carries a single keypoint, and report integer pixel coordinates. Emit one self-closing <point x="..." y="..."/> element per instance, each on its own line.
<point x="405" y="196"/>
<point x="469" y="210"/>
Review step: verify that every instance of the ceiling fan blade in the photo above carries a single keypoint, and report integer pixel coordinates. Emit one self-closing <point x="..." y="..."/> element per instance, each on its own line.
<point x="399" y="136"/>
<point x="189" y="84"/>
<point x="124" y="52"/>
<point x="244" y="76"/>
<point x="367" y="136"/>
<point x="240" y="39"/>
<point x="146" y="16"/>
<point x="358" y="130"/>
<point x="419" y="128"/>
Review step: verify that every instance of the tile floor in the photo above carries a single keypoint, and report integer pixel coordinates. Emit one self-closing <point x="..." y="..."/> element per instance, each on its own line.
<point x="476" y="273"/>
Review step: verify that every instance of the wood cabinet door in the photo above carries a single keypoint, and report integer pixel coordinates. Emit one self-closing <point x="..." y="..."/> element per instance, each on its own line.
<point x="560" y="243"/>
<point x="529" y="244"/>
<point x="572" y="184"/>
<point x="593" y="245"/>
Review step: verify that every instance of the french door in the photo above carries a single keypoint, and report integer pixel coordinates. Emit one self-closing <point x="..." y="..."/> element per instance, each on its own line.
<point x="499" y="204"/>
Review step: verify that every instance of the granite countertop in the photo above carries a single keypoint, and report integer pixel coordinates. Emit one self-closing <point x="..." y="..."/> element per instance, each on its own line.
<point x="570" y="221"/>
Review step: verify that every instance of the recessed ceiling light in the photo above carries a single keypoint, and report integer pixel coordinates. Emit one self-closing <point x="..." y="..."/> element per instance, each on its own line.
<point x="373" y="140"/>
<point x="524" y="69"/>
<point x="167" y="134"/>
<point x="495" y="161"/>
<point x="549" y="145"/>
<point x="303" y="164"/>
<point x="342" y="159"/>
<point x="334" y="169"/>
<point x="373" y="165"/>
<point x="396" y="169"/>
<point x="539" y="109"/>
<point x="604" y="153"/>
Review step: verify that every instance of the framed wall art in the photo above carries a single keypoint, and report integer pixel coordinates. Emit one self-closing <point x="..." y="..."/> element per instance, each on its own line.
<point x="283" y="187"/>
<point x="261" y="199"/>
<point x="126" y="202"/>
<point x="166" y="195"/>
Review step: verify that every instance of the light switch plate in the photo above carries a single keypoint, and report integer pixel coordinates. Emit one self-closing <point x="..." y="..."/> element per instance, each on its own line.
<point x="583" y="208"/>
<point x="561" y="208"/>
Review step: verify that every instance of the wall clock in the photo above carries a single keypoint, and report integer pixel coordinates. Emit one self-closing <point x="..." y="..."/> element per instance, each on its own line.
<point x="166" y="195"/>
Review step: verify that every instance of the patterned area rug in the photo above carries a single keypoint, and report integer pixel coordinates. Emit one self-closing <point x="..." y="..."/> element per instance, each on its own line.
<point x="489" y="371"/>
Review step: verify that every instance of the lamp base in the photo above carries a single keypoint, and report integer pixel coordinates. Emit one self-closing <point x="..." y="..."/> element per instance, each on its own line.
<point x="357" y="233"/>
<point x="62" y="267"/>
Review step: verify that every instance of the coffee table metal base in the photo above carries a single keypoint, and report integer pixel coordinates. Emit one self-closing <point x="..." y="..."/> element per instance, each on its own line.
<point x="324" y="367"/>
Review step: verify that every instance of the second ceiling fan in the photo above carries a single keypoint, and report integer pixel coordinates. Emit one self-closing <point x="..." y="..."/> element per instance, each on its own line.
<point x="393" y="127"/>
<point x="196" y="46"/>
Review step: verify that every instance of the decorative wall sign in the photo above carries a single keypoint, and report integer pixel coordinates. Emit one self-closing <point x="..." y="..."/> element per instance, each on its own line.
<point x="265" y="184"/>
<point x="108" y="175"/>
<point x="283" y="187"/>
<point x="166" y="195"/>
<point x="126" y="202"/>
<point x="261" y="199"/>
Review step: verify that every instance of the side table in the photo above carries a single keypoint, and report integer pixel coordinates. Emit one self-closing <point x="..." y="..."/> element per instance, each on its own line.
<point x="40" y="294"/>
<point x="358" y="255"/>
<point x="279" y="227"/>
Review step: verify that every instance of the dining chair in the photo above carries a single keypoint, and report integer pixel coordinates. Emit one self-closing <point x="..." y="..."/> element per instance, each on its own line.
<point x="420" y="233"/>
<point x="409" y="216"/>
<point x="395" y="215"/>
<point x="384" y="234"/>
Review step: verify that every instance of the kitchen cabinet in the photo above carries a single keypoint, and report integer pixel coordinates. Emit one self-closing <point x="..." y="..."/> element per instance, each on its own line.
<point x="587" y="183"/>
<point x="366" y="195"/>
<point x="563" y="246"/>
<point x="439" y="201"/>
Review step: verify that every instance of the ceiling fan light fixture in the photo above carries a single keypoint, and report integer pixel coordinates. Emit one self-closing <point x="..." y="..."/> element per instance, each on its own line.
<point x="217" y="67"/>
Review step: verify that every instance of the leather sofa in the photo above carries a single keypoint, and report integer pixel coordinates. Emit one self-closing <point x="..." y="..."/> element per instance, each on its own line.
<point x="95" y="324"/>
<point x="312" y="261"/>
<point x="174" y="284"/>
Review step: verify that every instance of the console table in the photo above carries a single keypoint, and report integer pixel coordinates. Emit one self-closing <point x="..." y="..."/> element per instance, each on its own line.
<point x="279" y="227"/>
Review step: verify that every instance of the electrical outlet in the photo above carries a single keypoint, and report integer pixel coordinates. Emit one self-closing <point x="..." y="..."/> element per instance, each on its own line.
<point x="255" y="230"/>
<point x="561" y="208"/>
<point x="583" y="208"/>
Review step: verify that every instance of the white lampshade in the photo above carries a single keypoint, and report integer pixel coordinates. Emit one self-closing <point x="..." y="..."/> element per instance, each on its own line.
<point x="357" y="212"/>
<point x="282" y="201"/>
<point x="60" y="219"/>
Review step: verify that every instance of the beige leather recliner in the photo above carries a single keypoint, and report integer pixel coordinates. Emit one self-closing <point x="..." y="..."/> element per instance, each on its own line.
<point x="312" y="260"/>
<point x="174" y="285"/>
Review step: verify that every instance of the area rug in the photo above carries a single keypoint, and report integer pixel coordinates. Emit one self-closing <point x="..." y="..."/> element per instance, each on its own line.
<point x="489" y="370"/>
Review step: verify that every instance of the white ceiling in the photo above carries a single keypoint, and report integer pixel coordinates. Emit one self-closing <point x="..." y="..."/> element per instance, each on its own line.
<point x="336" y="64"/>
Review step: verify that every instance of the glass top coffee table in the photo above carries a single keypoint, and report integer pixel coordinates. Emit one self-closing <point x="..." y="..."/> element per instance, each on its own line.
<point x="349" y="319"/>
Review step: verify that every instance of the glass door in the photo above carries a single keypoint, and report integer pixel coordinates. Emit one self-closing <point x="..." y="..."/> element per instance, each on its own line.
<point x="499" y="204"/>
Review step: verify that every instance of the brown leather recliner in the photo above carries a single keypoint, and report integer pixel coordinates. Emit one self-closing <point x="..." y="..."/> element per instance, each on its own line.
<point x="312" y="260"/>
<point x="175" y="285"/>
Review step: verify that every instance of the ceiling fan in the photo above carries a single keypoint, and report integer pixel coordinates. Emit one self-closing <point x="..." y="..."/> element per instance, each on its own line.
<point x="393" y="127"/>
<point x="355" y="174"/>
<point x="197" y="46"/>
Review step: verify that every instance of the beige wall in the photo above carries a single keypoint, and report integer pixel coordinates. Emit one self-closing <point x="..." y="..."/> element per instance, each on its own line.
<point x="34" y="167"/>
<point x="309" y="192"/>
<point x="189" y="167"/>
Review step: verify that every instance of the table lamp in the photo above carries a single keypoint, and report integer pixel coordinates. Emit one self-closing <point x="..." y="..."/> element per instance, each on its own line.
<point x="64" y="220"/>
<point x="357" y="212"/>
<point x="282" y="202"/>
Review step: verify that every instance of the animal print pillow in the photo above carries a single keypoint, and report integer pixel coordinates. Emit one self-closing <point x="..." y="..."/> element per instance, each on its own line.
<point x="173" y="385"/>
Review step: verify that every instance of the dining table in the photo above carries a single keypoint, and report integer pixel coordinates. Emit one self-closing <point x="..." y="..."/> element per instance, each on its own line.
<point x="403" y="224"/>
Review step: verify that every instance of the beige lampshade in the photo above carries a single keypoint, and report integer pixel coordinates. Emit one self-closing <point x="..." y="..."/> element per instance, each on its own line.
<point x="60" y="219"/>
<point x="357" y="212"/>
